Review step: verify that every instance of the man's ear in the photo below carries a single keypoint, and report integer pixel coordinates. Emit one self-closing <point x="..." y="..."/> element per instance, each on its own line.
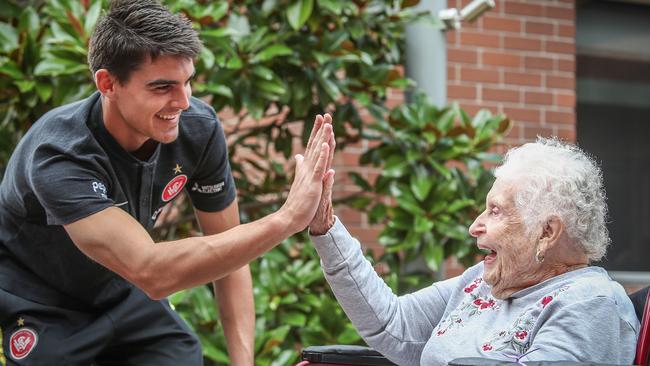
<point x="552" y="230"/>
<point x="105" y="82"/>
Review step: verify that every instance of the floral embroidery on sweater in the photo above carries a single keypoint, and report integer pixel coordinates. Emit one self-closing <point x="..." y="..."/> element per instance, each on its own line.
<point x="472" y="305"/>
<point x="516" y="340"/>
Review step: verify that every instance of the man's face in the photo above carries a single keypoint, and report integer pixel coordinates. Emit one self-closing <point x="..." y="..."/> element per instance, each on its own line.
<point x="510" y="265"/>
<point x="149" y="104"/>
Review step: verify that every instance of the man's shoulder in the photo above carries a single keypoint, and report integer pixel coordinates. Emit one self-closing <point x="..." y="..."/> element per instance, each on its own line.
<point x="65" y="124"/>
<point x="201" y="110"/>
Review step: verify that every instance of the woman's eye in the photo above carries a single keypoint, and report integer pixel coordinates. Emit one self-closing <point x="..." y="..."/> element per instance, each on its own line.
<point x="494" y="211"/>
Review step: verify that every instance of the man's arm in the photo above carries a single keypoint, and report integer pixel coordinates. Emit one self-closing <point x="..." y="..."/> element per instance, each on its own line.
<point x="117" y="241"/>
<point x="234" y="292"/>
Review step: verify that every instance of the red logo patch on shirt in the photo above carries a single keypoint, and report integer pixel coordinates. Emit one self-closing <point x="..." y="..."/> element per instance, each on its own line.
<point x="174" y="187"/>
<point x="22" y="342"/>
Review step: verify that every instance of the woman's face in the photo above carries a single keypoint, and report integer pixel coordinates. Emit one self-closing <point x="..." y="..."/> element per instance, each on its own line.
<point x="510" y="266"/>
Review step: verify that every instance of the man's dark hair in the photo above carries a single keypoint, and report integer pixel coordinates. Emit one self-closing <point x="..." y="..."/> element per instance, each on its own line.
<point x="135" y="29"/>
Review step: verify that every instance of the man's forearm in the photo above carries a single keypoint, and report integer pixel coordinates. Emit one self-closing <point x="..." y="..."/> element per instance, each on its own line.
<point x="194" y="261"/>
<point x="237" y="312"/>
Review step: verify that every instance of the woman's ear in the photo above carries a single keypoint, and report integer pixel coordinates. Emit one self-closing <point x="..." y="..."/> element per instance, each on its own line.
<point x="551" y="232"/>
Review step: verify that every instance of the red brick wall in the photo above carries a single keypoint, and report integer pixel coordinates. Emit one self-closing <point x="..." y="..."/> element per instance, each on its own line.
<point x="517" y="59"/>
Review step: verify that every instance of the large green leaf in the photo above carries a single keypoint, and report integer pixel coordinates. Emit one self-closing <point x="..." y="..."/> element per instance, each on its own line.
<point x="271" y="52"/>
<point x="298" y="12"/>
<point x="8" y="38"/>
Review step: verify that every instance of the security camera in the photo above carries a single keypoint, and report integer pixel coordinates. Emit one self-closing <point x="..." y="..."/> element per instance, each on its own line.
<point x="450" y="18"/>
<point x="475" y="9"/>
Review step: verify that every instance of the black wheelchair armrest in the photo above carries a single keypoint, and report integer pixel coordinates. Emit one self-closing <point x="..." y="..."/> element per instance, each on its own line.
<point x="344" y="355"/>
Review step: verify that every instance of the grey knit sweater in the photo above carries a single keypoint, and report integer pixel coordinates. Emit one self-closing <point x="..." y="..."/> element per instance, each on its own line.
<point x="581" y="315"/>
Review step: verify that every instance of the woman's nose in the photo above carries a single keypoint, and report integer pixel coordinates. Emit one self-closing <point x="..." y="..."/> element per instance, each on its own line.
<point x="477" y="227"/>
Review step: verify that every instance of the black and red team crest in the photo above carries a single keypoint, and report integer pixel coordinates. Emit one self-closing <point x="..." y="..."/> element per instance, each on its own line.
<point x="22" y="342"/>
<point x="174" y="187"/>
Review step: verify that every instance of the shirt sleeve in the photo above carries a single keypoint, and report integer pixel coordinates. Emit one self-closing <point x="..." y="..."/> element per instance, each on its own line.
<point x="212" y="187"/>
<point x="397" y="326"/>
<point x="589" y="330"/>
<point x="68" y="187"/>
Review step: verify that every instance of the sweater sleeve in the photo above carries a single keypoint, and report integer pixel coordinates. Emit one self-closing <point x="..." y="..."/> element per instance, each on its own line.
<point x="397" y="327"/>
<point x="589" y="330"/>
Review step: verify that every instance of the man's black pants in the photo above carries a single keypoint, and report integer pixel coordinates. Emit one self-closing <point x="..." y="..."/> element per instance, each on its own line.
<point x="136" y="331"/>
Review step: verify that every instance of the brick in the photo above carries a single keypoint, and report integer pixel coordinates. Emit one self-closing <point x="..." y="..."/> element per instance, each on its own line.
<point x="560" y="117"/>
<point x="540" y="28"/>
<point x="516" y="131"/>
<point x="531" y="132"/>
<point x="538" y="98"/>
<point x="523" y="114"/>
<point x="367" y="235"/>
<point x="560" y="47"/>
<point x="349" y="158"/>
<point x="567" y="30"/>
<point x="557" y="12"/>
<point x="349" y="215"/>
<point x="565" y="99"/>
<point x="471" y="74"/>
<point x="452" y="37"/>
<point x="472" y="38"/>
<point x="452" y="73"/>
<point x="564" y="82"/>
<point x="522" y="43"/>
<point x="566" y="65"/>
<point x="566" y="133"/>
<point x="462" y="56"/>
<point x="471" y="108"/>
<point x="524" y="9"/>
<point x="500" y="94"/>
<point x="501" y="24"/>
<point x="539" y="63"/>
<point x="461" y="92"/>
<point x="521" y="78"/>
<point x="501" y="59"/>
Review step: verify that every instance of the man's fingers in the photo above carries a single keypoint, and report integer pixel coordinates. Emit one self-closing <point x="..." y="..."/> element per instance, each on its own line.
<point x="312" y="155"/>
<point x="320" y="167"/>
<point x="318" y="122"/>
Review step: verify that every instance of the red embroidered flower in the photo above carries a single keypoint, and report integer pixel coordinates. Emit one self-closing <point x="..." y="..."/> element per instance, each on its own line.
<point x="487" y="304"/>
<point x="487" y="347"/>
<point x="546" y="300"/>
<point x="440" y="332"/>
<point x="470" y="288"/>
<point x="459" y="321"/>
<point x="521" y="334"/>
<point x="478" y="302"/>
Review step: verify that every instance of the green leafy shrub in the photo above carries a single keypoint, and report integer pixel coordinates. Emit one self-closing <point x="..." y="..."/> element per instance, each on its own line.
<point x="432" y="185"/>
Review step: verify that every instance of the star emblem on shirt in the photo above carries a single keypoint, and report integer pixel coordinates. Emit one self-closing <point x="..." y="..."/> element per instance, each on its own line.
<point x="177" y="169"/>
<point x="21" y="322"/>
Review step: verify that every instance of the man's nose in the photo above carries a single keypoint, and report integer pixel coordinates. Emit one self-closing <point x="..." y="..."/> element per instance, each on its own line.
<point x="182" y="98"/>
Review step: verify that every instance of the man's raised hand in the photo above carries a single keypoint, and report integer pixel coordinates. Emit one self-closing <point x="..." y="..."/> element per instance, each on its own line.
<point x="311" y="169"/>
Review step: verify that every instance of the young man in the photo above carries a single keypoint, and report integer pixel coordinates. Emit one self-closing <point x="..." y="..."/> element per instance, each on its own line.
<point x="81" y="281"/>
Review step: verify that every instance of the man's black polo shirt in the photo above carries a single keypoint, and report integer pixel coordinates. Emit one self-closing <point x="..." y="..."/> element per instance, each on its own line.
<point x="68" y="167"/>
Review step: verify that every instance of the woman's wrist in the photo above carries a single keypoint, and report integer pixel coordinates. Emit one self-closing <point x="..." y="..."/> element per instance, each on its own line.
<point x="317" y="230"/>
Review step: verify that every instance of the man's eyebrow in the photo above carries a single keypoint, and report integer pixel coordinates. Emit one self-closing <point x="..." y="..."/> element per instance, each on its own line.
<point x="162" y="82"/>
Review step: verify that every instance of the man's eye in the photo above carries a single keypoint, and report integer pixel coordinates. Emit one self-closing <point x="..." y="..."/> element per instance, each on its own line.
<point x="162" y="88"/>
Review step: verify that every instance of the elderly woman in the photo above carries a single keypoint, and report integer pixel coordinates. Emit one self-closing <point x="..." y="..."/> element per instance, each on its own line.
<point x="533" y="297"/>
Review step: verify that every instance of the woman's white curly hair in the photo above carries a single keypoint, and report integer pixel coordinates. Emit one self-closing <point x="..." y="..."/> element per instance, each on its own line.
<point x="559" y="179"/>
